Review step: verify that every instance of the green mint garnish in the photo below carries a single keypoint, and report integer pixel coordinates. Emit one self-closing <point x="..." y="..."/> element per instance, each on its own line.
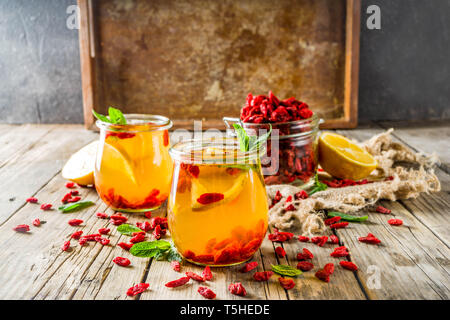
<point x="318" y="186"/>
<point x="71" y="207"/>
<point x="347" y="217"/>
<point x="115" y="116"/>
<point x="249" y="143"/>
<point x="128" y="229"/>
<point x="285" y="270"/>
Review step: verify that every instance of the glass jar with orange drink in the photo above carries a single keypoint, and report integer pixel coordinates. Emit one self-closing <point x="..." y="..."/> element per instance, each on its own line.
<point x="133" y="168"/>
<point x="217" y="208"/>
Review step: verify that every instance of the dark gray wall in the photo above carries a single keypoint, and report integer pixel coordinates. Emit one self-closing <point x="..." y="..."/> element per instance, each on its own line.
<point x="404" y="67"/>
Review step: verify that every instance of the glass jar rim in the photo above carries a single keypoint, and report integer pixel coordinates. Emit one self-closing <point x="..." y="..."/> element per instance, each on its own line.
<point x="223" y="150"/>
<point x="138" y="123"/>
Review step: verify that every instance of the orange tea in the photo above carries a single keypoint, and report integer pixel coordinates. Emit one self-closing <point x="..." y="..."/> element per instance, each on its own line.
<point x="217" y="212"/>
<point x="133" y="168"/>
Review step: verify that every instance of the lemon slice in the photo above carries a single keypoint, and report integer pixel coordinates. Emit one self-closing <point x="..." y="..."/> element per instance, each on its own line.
<point x="80" y="166"/>
<point x="344" y="159"/>
<point x="198" y="189"/>
<point x="120" y="160"/>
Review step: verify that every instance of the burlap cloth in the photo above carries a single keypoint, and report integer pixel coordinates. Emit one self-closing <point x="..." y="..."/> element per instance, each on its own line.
<point x="412" y="174"/>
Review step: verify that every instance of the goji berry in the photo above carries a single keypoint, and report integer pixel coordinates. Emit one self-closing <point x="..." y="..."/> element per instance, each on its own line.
<point x="302" y="194"/>
<point x="195" y="276"/>
<point x="303" y="239"/>
<point x="82" y="241"/>
<point x="305" y="265"/>
<point x="74" y="192"/>
<point x="188" y="254"/>
<point x="46" y="206"/>
<point x="383" y="210"/>
<point x="32" y="200"/>
<point x="22" y="228"/>
<point x="125" y="246"/>
<point x="280" y="252"/>
<point x="102" y="215"/>
<point x="66" y="197"/>
<point x="75" y="222"/>
<point x="333" y="220"/>
<point x="175" y="265"/>
<point x="148" y="214"/>
<point x="320" y="241"/>
<point x="91" y="237"/>
<point x="102" y="241"/>
<point x="139" y="237"/>
<point x="162" y="222"/>
<point x="348" y="265"/>
<point x="288" y="199"/>
<point x="36" y="222"/>
<point x="139" y="288"/>
<point x="177" y="283"/>
<point x="395" y="222"/>
<point x="207" y="274"/>
<point x="144" y="226"/>
<point x="339" y="225"/>
<point x="305" y="255"/>
<point x="290" y="207"/>
<point x="158" y="232"/>
<point x="286" y="283"/>
<point x="123" y="262"/>
<point x="206" y="293"/>
<point x="104" y="230"/>
<point x="208" y="198"/>
<point x="249" y="267"/>
<point x="237" y="289"/>
<point x="329" y="267"/>
<point x="70" y="185"/>
<point x="166" y="138"/>
<point x="334" y="239"/>
<point x="322" y="275"/>
<point x="262" y="275"/>
<point x="117" y="220"/>
<point x="340" y="252"/>
<point x="278" y="236"/>
<point x="66" y="246"/>
<point x="194" y="171"/>
<point x="76" y="235"/>
<point x="370" y="239"/>
<point x="74" y="199"/>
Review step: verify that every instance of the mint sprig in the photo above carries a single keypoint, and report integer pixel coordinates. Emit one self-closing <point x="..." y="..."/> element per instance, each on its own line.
<point x="285" y="270"/>
<point x="115" y="116"/>
<point x="347" y="217"/>
<point x="158" y="249"/>
<point x="249" y="143"/>
<point x="71" y="207"/>
<point x="128" y="229"/>
<point x="318" y="186"/>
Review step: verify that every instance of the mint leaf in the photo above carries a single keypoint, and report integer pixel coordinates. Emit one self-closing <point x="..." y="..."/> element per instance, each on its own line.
<point x="150" y="249"/>
<point x="242" y="137"/>
<point x="318" y="186"/>
<point x="347" y="217"/>
<point x="116" y="116"/>
<point x="261" y="139"/>
<point x="285" y="270"/>
<point x="128" y="229"/>
<point x="173" y="255"/>
<point x="71" y="207"/>
<point x="101" y="117"/>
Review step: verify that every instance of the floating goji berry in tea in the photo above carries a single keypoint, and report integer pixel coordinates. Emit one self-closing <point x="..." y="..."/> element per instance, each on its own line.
<point x="331" y="221"/>
<point x="188" y="254"/>
<point x="46" y="206"/>
<point x="32" y="200"/>
<point x="302" y="194"/>
<point x="348" y="265"/>
<point x="206" y="293"/>
<point x="139" y="237"/>
<point x="195" y="276"/>
<point x="22" y="228"/>
<point x="104" y="230"/>
<point x="102" y="215"/>
<point x="370" y="239"/>
<point x="36" y="222"/>
<point x="76" y="235"/>
<point x="305" y="265"/>
<point x="177" y="283"/>
<point x="193" y="170"/>
<point x="125" y="246"/>
<point x="123" y="262"/>
<point x="305" y="255"/>
<point x="334" y="239"/>
<point x="237" y="289"/>
<point x="340" y="252"/>
<point x="395" y="222"/>
<point x="70" y="185"/>
<point x="75" y="222"/>
<point x="339" y="225"/>
<point x="382" y="209"/>
<point x="329" y="267"/>
<point x="249" y="267"/>
<point x="207" y="274"/>
<point x="262" y="275"/>
<point x="66" y="246"/>
<point x="322" y="275"/>
<point x="166" y="138"/>
<point x="74" y="199"/>
<point x="280" y="252"/>
<point x="286" y="283"/>
<point x="176" y="266"/>
<point x="139" y="288"/>
<point x="208" y="198"/>
<point x="303" y="239"/>
<point x="320" y="241"/>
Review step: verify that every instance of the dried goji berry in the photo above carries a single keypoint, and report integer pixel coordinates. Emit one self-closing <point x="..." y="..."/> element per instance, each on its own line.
<point x="237" y="289"/>
<point x="74" y="199"/>
<point x="102" y="241"/>
<point x="36" y="222"/>
<point x="339" y="225"/>
<point x="46" y="206"/>
<point x="333" y="220"/>
<point x="322" y="275"/>
<point x="206" y="293"/>
<point x="178" y="282"/>
<point x="334" y="239"/>
<point x="139" y="237"/>
<point x="194" y="171"/>
<point x="66" y="197"/>
<point x="91" y="237"/>
<point x="144" y="226"/>
<point x="280" y="252"/>
<point x="139" y="288"/>
<point x="188" y="254"/>
<point x="70" y="185"/>
<point x="305" y="255"/>
<point x="104" y="230"/>
<point x="249" y="266"/>
<point x="117" y="220"/>
<point x="371" y="239"/>
<point x="123" y="262"/>
<point x="22" y="228"/>
<point x="125" y="246"/>
<point x="262" y="276"/>
<point x="32" y="200"/>
<point x="329" y="267"/>
<point x="102" y="215"/>
<point x="175" y="265"/>
<point x="208" y="198"/>
<point x="305" y="265"/>
<point x="207" y="274"/>
<point x="348" y="265"/>
<point x="382" y="209"/>
<point x="290" y="207"/>
<point x="302" y="194"/>
<point x="75" y="222"/>
<point x="148" y="214"/>
<point x="74" y="192"/>
<point x="82" y="241"/>
<point x="279" y="236"/>
<point x="66" y="246"/>
<point x="340" y="252"/>
<point x="320" y="241"/>
<point x="395" y="222"/>
<point x="303" y="239"/>
<point x="286" y="283"/>
<point x="158" y="232"/>
<point x="76" y="235"/>
<point x="195" y="276"/>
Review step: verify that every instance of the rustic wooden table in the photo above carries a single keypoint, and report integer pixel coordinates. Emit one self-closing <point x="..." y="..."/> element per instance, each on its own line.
<point x="412" y="262"/>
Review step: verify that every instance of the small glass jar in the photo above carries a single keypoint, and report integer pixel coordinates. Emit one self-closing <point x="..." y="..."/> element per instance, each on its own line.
<point x="292" y="156"/>
<point x="217" y="209"/>
<point x="133" y="169"/>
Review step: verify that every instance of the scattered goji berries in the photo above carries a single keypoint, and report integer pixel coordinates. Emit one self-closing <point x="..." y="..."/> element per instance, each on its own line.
<point x="76" y="235"/>
<point x="322" y="275"/>
<point x="383" y="210"/>
<point x="22" y="228"/>
<point x="303" y="238"/>
<point x="125" y="246"/>
<point x="117" y="220"/>
<point x="305" y="255"/>
<point x="348" y="265"/>
<point x="206" y="293"/>
<point x="278" y="236"/>
<point x="176" y="266"/>
<point x="102" y="215"/>
<point x="46" y="206"/>
<point x="177" y="283"/>
<point x="195" y="276"/>
<point x="341" y="183"/>
<point x="208" y="198"/>
<point x="70" y="185"/>
<point x="139" y="288"/>
<point x="74" y="199"/>
<point x="339" y="225"/>
<point x="334" y="239"/>
<point x="36" y="222"/>
<point x="237" y="289"/>
<point x="207" y="274"/>
<point x="158" y="232"/>
<point x="320" y="241"/>
<point x="32" y="200"/>
<point x="91" y="237"/>
<point x="102" y="241"/>
<point x="138" y="237"/>
<point x="287" y="283"/>
<point x="329" y="267"/>
<point x="302" y="194"/>
<point x="75" y="222"/>
<point x="305" y="265"/>
<point x="104" y="230"/>
<point x="66" y="246"/>
<point x="144" y="226"/>
<point x="280" y="252"/>
<point x="331" y="221"/>
<point x="74" y="192"/>
<point x="82" y="241"/>
<point x="395" y="222"/>
<point x="123" y="262"/>
<point x="370" y="239"/>
<point x="66" y="197"/>
<point x="262" y="275"/>
<point x="249" y="267"/>
<point x="341" y="251"/>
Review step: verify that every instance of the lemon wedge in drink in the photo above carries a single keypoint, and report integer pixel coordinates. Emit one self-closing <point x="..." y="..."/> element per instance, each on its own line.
<point x="80" y="166"/>
<point x="119" y="160"/>
<point x="343" y="159"/>
<point x="230" y="194"/>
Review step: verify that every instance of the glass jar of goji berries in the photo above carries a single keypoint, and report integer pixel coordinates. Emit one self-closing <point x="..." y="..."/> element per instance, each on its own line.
<point x="217" y="208"/>
<point x="292" y="156"/>
<point x="133" y="169"/>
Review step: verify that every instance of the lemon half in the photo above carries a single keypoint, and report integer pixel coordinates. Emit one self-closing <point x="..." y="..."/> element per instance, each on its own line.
<point x="80" y="166"/>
